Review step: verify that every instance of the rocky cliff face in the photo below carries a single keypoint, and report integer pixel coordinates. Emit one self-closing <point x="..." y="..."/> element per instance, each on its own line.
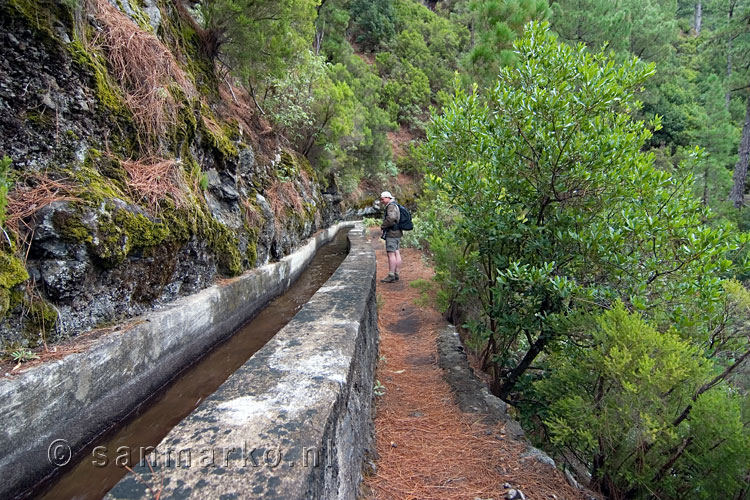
<point x="131" y="188"/>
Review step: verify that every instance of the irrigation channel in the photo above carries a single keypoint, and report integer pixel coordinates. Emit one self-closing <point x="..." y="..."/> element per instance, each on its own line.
<point x="147" y="425"/>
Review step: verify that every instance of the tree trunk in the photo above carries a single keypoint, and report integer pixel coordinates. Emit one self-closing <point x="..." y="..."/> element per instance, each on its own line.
<point x="512" y="378"/>
<point x="698" y="17"/>
<point x="730" y="47"/>
<point x="705" y="185"/>
<point x="737" y="194"/>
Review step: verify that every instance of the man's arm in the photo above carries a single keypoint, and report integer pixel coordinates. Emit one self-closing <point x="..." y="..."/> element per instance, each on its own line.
<point x="392" y="215"/>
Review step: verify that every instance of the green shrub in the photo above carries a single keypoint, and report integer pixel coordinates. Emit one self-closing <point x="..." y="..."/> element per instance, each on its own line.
<point x="630" y="386"/>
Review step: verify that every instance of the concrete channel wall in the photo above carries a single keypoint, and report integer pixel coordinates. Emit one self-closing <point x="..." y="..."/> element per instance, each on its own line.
<point x="60" y="406"/>
<point x="294" y="422"/>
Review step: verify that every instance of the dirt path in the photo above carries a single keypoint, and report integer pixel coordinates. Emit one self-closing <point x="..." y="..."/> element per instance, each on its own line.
<point x="428" y="448"/>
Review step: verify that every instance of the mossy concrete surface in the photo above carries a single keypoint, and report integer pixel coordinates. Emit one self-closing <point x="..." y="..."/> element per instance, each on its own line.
<point x="80" y="396"/>
<point x="295" y="421"/>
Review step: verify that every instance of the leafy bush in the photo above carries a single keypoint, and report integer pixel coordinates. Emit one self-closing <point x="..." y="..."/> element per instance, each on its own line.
<point x="371" y="221"/>
<point x="556" y="214"/>
<point x="310" y="105"/>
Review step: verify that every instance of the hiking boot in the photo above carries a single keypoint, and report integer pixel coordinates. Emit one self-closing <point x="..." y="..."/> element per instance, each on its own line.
<point x="389" y="279"/>
<point x="396" y="276"/>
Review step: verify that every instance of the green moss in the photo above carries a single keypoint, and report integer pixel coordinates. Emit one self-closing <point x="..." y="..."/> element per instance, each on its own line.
<point x="219" y="141"/>
<point x="119" y="235"/>
<point x="304" y="164"/>
<point x="120" y="231"/>
<point x="367" y="202"/>
<point x="109" y="245"/>
<point x="183" y="132"/>
<point x="199" y="65"/>
<point x="141" y="232"/>
<point x="95" y="188"/>
<point x="310" y="209"/>
<point x="287" y="169"/>
<point x="4" y="301"/>
<point x="138" y="16"/>
<point x="71" y="227"/>
<point x="97" y="163"/>
<point x="42" y="317"/>
<point x="40" y="120"/>
<point x="223" y="243"/>
<point x="251" y="252"/>
<point x="112" y="169"/>
<point x="107" y="93"/>
<point x="12" y="273"/>
<point x="93" y="157"/>
<point x="40" y="16"/>
<point x="181" y="222"/>
<point x="227" y="254"/>
<point x="116" y="232"/>
<point x="16" y="298"/>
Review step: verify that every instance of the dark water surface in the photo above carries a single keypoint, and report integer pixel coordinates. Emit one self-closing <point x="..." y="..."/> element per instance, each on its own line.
<point x="90" y="479"/>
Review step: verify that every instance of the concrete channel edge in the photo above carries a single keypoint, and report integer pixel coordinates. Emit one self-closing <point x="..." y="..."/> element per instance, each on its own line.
<point x="295" y="421"/>
<point x="80" y="396"/>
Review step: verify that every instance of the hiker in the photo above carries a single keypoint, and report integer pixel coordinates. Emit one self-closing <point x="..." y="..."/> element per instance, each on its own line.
<point x="392" y="235"/>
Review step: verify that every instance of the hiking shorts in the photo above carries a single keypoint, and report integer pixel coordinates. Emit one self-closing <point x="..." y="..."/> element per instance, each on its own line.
<point x="391" y="244"/>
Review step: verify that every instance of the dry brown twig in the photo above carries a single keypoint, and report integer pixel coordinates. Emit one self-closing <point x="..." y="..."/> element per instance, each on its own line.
<point x="282" y="195"/>
<point x="254" y="219"/>
<point x="152" y="179"/>
<point x="158" y="490"/>
<point x="32" y="193"/>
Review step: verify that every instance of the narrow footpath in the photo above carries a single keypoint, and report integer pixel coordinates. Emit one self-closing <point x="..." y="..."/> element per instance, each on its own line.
<point x="427" y="448"/>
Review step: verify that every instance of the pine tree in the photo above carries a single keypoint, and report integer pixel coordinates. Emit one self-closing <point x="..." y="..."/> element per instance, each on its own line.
<point x="495" y="24"/>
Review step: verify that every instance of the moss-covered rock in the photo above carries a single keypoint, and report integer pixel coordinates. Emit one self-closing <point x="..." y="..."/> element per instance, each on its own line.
<point x="102" y="255"/>
<point x="216" y="138"/>
<point x="180" y="32"/>
<point x="108" y="94"/>
<point x="70" y="226"/>
<point x="12" y="273"/>
<point x="41" y="16"/>
<point x="185" y="127"/>
<point x="42" y="317"/>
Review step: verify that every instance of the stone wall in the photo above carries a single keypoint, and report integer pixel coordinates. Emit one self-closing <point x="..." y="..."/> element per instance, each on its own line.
<point x="83" y="394"/>
<point x="295" y="422"/>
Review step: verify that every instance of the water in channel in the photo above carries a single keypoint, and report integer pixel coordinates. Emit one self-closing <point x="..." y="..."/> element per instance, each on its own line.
<point x="88" y="479"/>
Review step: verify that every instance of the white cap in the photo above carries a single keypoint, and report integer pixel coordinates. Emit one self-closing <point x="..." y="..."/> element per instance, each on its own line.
<point x="386" y="194"/>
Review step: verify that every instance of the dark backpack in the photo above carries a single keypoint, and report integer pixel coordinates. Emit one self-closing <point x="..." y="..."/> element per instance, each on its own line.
<point x="404" y="220"/>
